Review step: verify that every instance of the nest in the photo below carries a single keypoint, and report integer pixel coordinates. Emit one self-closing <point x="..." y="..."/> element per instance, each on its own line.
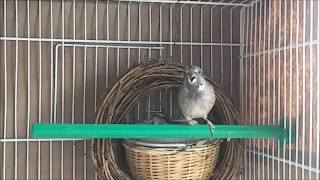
<point x="147" y="77"/>
<point x="192" y="163"/>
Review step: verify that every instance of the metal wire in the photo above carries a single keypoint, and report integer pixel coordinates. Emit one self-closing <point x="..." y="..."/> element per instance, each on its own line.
<point x="311" y="92"/>
<point x="5" y="90"/>
<point x="279" y="38"/>
<point x="264" y="102"/>
<point x="39" y="92"/>
<point x="16" y="93"/>
<point x="286" y="53"/>
<point x="277" y="119"/>
<point x="259" y="89"/>
<point x="318" y="95"/>
<point x="242" y="3"/>
<point x="73" y="87"/>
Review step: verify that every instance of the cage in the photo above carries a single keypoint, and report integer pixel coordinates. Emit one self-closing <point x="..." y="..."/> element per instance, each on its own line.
<point x="58" y="57"/>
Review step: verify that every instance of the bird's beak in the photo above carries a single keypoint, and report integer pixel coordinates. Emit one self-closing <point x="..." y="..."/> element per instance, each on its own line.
<point x="192" y="78"/>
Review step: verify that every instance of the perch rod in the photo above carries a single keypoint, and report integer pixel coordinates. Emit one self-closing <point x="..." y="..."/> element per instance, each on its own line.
<point x="88" y="131"/>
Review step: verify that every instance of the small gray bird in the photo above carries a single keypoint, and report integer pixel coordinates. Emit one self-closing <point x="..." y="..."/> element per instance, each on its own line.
<point x="196" y="97"/>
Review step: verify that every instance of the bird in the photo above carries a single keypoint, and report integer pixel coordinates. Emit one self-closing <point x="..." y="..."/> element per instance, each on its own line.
<point x="196" y="97"/>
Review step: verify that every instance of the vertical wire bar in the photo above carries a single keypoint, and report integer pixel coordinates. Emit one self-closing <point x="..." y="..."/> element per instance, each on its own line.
<point x="311" y="89"/>
<point x="290" y="85"/>
<point x="51" y="88"/>
<point x="201" y="37"/>
<point x="246" y="92"/>
<point x="96" y="68"/>
<point x="160" y="33"/>
<point x="160" y="52"/>
<point x="246" y="88"/>
<point x="84" y="92"/>
<point x="29" y="86"/>
<point x="268" y="86"/>
<point x="55" y="89"/>
<point x="62" y="86"/>
<point x="254" y="83"/>
<point x="318" y="94"/>
<point x="274" y="87"/>
<point x="16" y="92"/>
<point x="39" y="91"/>
<point x="303" y="86"/>
<point x="96" y="56"/>
<point x="285" y="84"/>
<point x="259" y="86"/>
<point x="231" y="53"/>
<point x="128" y="38"/>
<point x="5" y="89"/>
<point x="149" y="55"/>
<point x="221" y="49"/>
<point x="191" y="39"/>
<point x="264" y="82"/>
<point x="242" y="21"/>
<point x="250" y="89"/>
<point x="297" y="90"/>
<point x="150" y="29"/>
<point x="139" y="50"/>
<point x="211" y="40"/>
<point x="181" y="34"/>
<point x="118" y="37"/>
<point x="129" y="32"/>
<point x="171" y="55"/>
<point x="171" y="29"/>
<point x="73" y="88"/>
<point x="108" y="38"/>
<point x="279" y="84"/>
<point x="240" y="58"/>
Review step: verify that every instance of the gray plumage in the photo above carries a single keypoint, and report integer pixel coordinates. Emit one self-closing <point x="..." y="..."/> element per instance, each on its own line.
<point x="196" y="97"/>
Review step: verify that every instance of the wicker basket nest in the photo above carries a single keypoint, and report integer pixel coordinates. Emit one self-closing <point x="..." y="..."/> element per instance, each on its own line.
<point x="120" y="98"/>
<point x="193" y="163"/>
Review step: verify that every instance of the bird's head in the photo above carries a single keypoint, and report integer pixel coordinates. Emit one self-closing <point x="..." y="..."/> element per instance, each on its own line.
<point x="194" y="76"/>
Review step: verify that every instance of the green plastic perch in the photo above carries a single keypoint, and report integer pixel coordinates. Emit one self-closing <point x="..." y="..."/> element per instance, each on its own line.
<point x="127" y="131"/>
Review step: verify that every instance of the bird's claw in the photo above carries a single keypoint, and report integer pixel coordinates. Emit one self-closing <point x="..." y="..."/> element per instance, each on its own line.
<point x="192" y="122"/>
<point x="211" y="126"/>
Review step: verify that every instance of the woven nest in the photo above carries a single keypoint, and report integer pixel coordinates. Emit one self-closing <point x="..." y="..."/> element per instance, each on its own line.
<point x="192" y="163"/>
<point x="108" y="155"/>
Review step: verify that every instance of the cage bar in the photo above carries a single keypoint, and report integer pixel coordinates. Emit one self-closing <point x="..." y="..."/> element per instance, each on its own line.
<point x="242" y="3"/>
<point x="311" y="92"/>
<point x="290" y="86"/>
<point x="281" y="38"/>
<point x="39" y="92"/>
<point x="5" y="90"/>
<point x="264" y="170"/>
<point x="318" y="96"/>
<point x="297" y="88"/>
<point x="73" y="87"/>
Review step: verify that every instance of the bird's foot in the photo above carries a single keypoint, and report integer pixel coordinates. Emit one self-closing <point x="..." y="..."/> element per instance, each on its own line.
<point x="211" y="126"/>
<point x="192" y="122"/>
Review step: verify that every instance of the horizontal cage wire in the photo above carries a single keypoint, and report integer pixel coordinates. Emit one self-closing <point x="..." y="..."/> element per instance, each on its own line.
<point x="58" y="58"/>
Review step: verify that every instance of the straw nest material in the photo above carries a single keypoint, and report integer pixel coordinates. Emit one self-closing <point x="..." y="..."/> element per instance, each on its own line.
<point x="190" y="163"/>
<point x="108" y="155"/>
